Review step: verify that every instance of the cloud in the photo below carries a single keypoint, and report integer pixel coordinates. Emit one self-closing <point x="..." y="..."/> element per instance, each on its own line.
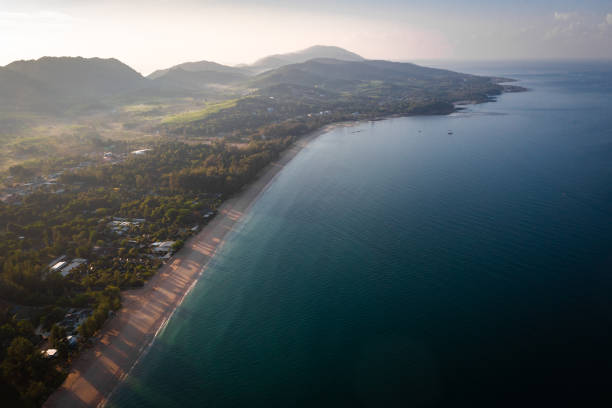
<point x="566" y="24"/>
<point x="579" y="30"/>
<point x="564" y="16"/>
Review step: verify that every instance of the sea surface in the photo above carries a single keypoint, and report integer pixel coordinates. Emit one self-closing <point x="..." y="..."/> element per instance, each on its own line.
<point x="461" y="260"/>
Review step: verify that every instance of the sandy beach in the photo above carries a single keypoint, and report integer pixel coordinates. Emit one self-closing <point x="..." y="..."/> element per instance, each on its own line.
<point x="98" y="370"/>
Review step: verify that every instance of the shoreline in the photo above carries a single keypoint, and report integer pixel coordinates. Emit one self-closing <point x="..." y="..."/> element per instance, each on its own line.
<point x="145" y="312"/>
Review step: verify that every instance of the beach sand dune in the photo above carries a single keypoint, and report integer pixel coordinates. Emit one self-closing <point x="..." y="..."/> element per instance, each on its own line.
<point x="98" y="370"/>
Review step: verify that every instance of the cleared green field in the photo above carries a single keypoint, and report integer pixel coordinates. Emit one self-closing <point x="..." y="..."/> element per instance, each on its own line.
<point x="200" y="114"/>
<point x="143" y="108"/>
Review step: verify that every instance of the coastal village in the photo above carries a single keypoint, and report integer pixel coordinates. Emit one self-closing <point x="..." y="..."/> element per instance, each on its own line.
<point x="141" y="253"/>
<point x="13" y="190"/>
<point x="125" y="245"/>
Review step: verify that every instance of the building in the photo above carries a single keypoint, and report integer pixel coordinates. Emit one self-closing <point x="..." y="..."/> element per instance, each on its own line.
<point x="121" y="225"/>
<point x="76" y="262"/>
<point x="58" y="266"/>
<point x="140" y="152"/>
<point x="164" y="246"/>
<point x="56" y="260"/>
<point x="49" y="353"/>
<point x="163" y="249"/>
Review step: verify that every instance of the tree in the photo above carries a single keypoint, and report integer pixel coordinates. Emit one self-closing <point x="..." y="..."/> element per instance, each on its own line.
<point x="86" y="329"/>
<point x="177" y="245"/>
<point x="17" y="365"/>
<point x="35" y="393"/>
<point x="57" y="336"/>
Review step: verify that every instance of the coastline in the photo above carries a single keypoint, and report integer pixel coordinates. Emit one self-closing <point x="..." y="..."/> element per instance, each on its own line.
<point x="125" y="338"/>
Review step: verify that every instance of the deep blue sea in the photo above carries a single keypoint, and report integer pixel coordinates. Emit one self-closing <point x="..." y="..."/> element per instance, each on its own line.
<point x="395" y="264"/>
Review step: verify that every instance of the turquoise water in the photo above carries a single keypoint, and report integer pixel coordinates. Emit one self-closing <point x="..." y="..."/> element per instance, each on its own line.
<point x="394" y="264"/>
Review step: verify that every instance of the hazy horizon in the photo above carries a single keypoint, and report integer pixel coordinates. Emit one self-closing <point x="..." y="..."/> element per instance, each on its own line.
<point x="158" y="34"/>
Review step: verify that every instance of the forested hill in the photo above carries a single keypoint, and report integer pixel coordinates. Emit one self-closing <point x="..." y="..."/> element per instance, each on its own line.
<point x="54" y="84"/>
<point x="87" y="74"/>
<point x="344" y="75"/>
<point x="198" y="66"/>
<point x="75" y="85"/>
<point x="338" y="90"/>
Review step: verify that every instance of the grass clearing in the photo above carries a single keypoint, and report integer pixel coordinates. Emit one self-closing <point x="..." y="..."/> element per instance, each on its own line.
<point x="193" y="116"/>
<point x="143" y="108"/>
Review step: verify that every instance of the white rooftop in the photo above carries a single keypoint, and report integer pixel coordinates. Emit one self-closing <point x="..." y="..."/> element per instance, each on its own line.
<point x="59" y="265"/>
<point x="141" y="151"/>
<point x="76" y="262"/>
<point x="56" y="260"/>
<point x="162" y="246"/>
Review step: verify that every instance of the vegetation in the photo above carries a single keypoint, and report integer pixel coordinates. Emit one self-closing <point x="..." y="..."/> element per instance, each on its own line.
<point x="26" y="377"/>
<point x="171" y="188"/>
<point x="209" y="130"/>
<point x="201" y="114"/>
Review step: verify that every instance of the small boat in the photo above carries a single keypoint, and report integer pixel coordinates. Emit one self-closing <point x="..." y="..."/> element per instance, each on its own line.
<point x="450" y="132"/>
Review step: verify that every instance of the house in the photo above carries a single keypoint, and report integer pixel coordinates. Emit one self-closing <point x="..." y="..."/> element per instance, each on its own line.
<point x="56" y="260"/>
<point x="76" y="262"/>
<point x="49" y="353"/>
<point x="122" y="225"/>
<point x="163" y="249"/>
<point x="140" y="152"/>
<point x="164" y="246"/>
<point x="58" y="266"/>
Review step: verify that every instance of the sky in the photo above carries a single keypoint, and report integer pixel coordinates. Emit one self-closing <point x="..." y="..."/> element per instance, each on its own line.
<point x="154" y="34"/>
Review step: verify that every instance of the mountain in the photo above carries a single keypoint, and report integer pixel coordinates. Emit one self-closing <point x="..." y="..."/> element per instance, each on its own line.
<point x="345" y="75"/>
<point x="197" y="75"/>
<point x="191" y="78"/>
<point x="292" y="98"/>
<point x="53" y="84"/>
<point x="18" y="92"/>
<point x="314" y="52"/>
<point x="74" y="85"/>
<point x="370" y="86"/>
<point x="199" y="66"/>
<point x="80" y="76"/>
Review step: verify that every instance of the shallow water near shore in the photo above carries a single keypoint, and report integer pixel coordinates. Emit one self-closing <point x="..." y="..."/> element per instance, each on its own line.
<point x="417" y="261"/>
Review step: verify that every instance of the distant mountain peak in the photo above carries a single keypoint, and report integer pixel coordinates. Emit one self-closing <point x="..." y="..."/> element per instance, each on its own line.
<point x="264" y="64"/>
<point x="196" y="66"/>
<point x="330" y="48"/>
<point x="313" y="52"/>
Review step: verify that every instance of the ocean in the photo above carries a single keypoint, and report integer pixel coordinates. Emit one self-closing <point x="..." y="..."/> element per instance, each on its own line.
<point x="419" y="261"/>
